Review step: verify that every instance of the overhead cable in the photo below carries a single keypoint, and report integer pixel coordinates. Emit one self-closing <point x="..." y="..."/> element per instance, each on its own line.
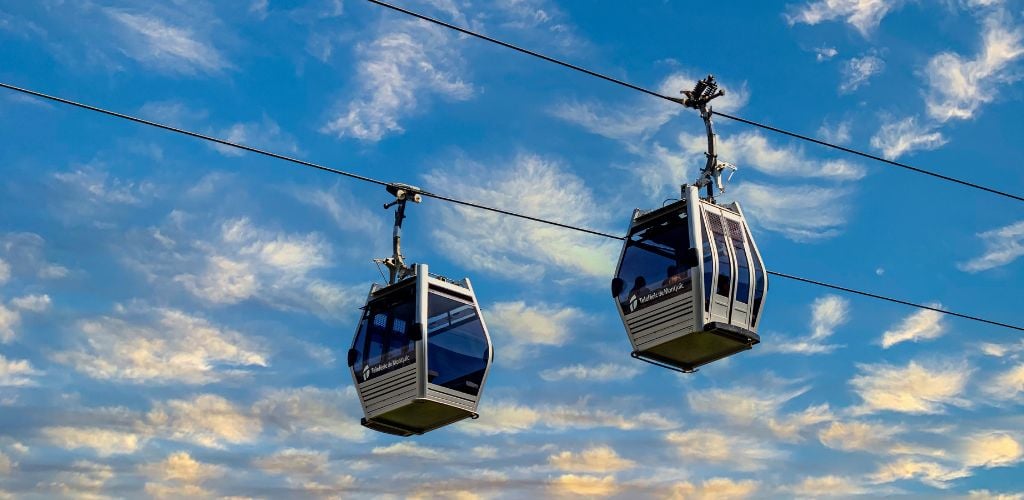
<point x="449" y="199"/>
<point x="677" y="101"/>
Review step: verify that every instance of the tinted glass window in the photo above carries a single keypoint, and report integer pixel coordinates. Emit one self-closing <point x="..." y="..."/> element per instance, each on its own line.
<point x="759" y="284"/>
<point x="655" y="258"/>
<point x="384" y="331"/>
<point x="457" y="353"/>
<point x="742" y="267"/>
<point x="724" y="267"/>
<point x="709" y="264"/>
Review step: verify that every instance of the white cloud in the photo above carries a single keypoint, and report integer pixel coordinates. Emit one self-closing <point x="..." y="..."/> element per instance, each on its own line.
<point x="169" y="347"/>
<point x="752" y="149"/>
<point x="584" y="486"/>
<point x="858" y="71"/>
<point x="599" y="373"/>
<point x="1006" y="386"/>
<point x="921" y="325"/>
<point x="163" y="47"/>
<point x="991" y="449"/>
<point x="708" y="445"/>
<point x="915" y="388"/>
<point x="752" y="409"/>
<point x="800" y="213"/>
<point x="864" y="15"/>
<point x="839" y="134"/>
<point x="514" y="248"/>
<point x="525" y="326"/>
<point x="9" y="319"/>
<point x="898" y="137"/>
<point x="716" y="488"/>
<point x="103" y="441"/>
<point x="597" y="459"/>
<point x="643" y="116"/>
<point x="32" y="303"/>
<point x="349" y="215"/>
<point x="266" y="134"/>
<point x="989" y="495"/>
<point x="403" y="65"/>
<point x="507" y="417"/>
<point x="859" y="436"/>
<point x="246" y="262"/>
<point x="24" y="254"/>
<point x="827" y="313"/>
<point x="502" y="417"/>
<point x="180" y="466"/>
<point x="1002" y="246"/>
<point x="97" y="187"/>
<point x="825" y="53"/>
<point x="206" y="420"/>
<point x="84" y="480"/>
<point x="409" y="449"/>
<point x="928" y="472"/>
<point x="16" y="372"/>
<point x="5" y="272"/>
<point x="294" y="462"/>
<point x="313" y="412"/>
<point x="958" y="87"/>
<point x="826" y="486"/>
<point x="6" y="464"/>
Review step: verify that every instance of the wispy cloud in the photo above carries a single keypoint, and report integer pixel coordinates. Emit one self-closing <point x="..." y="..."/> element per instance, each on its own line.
<point x="827" y="313"/>
<point x="1002" y="246"/>
<point x="265" y="134"/>
<point x="919" y="326"/>
<point x="525" y="327"/>
<point x="161" y="46"/>
<point x="839" y="133"/>
<point x="16" y="372"/>
<point x="162" y="346"/>
<point x="752" y="149"/>
<point x="858" y="71"/>
<point x="958" y="87"/>
<point x="400" y="69"/>
<point x="9" y="320"/>
<point x="709" y="445"/>
<point x="825" y="53"/>
<point x="864" y="15"/>
<point x="800" y="213"/>
<point x="898" y="137"/>
<point x="597" y="459"/>
<point x="1008" y="385"/>
<point x="717" y="488"/>
<point x="598" y="373"/>
<point x="514" y="248"/>
<point x="915" y="388"/>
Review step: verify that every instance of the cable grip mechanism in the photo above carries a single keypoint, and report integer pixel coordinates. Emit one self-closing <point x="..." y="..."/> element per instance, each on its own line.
<point x="699" y="98"/>
<point x="397" y="270"/>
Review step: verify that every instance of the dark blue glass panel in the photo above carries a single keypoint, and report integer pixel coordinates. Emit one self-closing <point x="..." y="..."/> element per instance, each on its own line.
<point x="655" y="257"/>
<point x="457" y="350"/>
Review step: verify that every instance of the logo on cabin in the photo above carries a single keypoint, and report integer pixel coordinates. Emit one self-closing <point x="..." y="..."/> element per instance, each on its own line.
<point x="633" y="302"/>
<point x="366" y="372"/>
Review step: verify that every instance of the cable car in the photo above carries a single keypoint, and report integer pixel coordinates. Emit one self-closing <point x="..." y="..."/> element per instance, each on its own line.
<point x="690" y="283"/>
<point x="421" y="352"/>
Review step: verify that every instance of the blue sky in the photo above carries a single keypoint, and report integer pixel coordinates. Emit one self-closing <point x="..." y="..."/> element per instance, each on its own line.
<point x="173" y="316"/>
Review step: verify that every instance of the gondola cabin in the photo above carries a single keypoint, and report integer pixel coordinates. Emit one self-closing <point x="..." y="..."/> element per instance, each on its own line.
<point x="690" y="284"/>
<point x="420" y="355"/>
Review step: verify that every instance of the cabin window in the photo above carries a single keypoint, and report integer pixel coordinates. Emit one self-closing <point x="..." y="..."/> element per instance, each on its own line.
<point x="384" y="332"/>
<point x="457" y="350"/>
<point x="759" y="284"/>
<point x="742" y="266"/>
<point x="724" y="267"/>
<point x="655" y="257"/>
